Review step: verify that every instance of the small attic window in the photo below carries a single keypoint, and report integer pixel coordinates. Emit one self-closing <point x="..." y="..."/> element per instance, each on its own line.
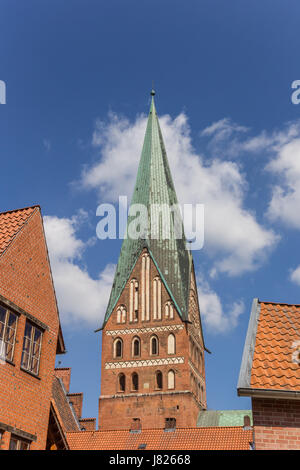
<point x="170" y="424"/>
<point x="142" y="446"/>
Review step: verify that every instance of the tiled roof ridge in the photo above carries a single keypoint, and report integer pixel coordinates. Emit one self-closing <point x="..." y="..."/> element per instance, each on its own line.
<point x="200" y="429"/>
<point x="20" y="209"/>
<point x="278" y="303"/>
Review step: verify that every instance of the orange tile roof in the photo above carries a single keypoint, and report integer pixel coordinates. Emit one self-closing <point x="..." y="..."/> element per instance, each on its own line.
<point x="214" y="438"/>
<point x="11" y="223"/>
<point x="278" y="329"/>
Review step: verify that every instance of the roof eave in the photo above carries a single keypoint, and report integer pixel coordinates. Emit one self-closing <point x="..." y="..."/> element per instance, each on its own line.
<point x="269" y="393"/>
<point x="247" y="358"/>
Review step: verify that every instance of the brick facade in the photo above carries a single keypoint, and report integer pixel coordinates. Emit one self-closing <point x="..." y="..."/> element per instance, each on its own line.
<point x="26" y="287"/>
<point x="276" y="423"/>
<point x="118" y="408"/>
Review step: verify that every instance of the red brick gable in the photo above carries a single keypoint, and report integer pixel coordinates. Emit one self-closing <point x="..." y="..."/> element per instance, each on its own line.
<point x="25" y="275"/>
<point x="11" y="222"/>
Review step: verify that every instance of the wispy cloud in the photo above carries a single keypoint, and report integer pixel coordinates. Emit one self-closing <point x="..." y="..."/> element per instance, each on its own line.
<point x="82" y="300"/>
<point x="234" y="239"/>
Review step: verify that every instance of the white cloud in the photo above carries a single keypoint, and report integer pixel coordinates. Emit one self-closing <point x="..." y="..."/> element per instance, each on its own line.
<point x="212" y="312"/>
<point x="232" y="234"/>
<point x="285" y="202"/>
<point x="81" y="299"/>
<point x="295" y="276"/>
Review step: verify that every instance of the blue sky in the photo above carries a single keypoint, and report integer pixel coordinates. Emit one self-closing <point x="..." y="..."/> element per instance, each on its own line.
<point x="78" y="75"/>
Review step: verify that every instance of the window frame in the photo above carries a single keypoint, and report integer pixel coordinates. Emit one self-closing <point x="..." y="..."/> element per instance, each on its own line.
<point x="31" y="355"/>
<point x="19" y="441"/>
<point x="6" y="327"/>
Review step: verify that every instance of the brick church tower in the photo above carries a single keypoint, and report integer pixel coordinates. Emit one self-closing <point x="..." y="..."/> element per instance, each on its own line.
<point x="152" y="343"/>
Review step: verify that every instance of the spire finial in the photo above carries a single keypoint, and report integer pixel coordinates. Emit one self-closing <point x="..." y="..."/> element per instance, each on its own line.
<point x="152" y="91"/>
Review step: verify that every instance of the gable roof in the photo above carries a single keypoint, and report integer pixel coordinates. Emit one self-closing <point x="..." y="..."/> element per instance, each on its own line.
<point x="213" y="438"/>
<point x="223" y="418"/>
<point x="271" y="357"/>
<point x="154" y="187"/>
<point x="64" y="410"/>
<point x="11" y="222"/>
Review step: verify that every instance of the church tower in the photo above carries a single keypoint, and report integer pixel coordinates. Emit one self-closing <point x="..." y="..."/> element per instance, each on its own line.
<point x="153" y="372"/>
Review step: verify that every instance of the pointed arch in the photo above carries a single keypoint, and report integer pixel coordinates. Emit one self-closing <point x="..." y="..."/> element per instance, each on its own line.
<point x="171" y="379"/>
<point x="118" y="348"/>
<point x="156" y="298"/>
<point x="158" y="380"/>
<point x="145" y="287"/>
<point x="154" y="345"/>
<point x="121" y="314"/>
<point x="169" y="310"/>
<point x="136" y="346"/>
<point x="134" y="382"/>
<point x="171" y="344"/>
<point x="134" y="300"/>
<point x="121" y="383"/>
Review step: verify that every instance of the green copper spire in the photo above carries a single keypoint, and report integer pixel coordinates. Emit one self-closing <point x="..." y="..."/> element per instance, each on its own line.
<point x="153" y="187"/>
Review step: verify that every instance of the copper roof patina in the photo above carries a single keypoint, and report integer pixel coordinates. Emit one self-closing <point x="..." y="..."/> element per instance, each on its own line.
<point x="154" y="188"/>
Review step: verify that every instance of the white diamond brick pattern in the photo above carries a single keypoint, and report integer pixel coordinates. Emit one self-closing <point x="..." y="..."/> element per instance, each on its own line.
<point x="144" y="363"/>
<point x="144" y="330"/>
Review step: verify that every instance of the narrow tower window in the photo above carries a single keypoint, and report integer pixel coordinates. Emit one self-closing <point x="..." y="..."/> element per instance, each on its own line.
<point x="145" y="287"/>
<point x="136" y="347"/>
<point x="171" y="344"/>
<point x="134" y="300"/>
<point x="121" y="314"/>
<point x="169" y="310"/>
<point x="156" y="299"/>
<point x="135" y="382"/>
<point x="158" y="380"/>
<point x="154" y="346"/>
<point x="171" y="379"/>
<point x="118" y="348"/>
<point x="121" y="383"/>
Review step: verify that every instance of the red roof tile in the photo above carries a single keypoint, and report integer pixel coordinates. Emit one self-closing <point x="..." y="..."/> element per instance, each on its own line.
<point x="274" y="365"/>
<point x="10" y="224"/>
<point x="214" y="438"/>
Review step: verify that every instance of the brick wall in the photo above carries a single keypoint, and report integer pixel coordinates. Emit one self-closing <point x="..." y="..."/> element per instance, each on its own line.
<point x="276" y="423"/>
<point x="151" y="406"/>
<point x="25" y="280"/>
<point x="64" y="373"/>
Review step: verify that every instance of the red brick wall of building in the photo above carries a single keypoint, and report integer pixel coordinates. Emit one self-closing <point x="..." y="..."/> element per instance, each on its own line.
<point x="152" y="410"/>
<point x="25" y="280"/>
<point x="276" y="424"/>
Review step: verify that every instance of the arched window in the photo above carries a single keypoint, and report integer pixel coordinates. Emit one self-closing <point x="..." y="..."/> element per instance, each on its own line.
<point x="156" y="298"/>
<point x="158" y="380"/>
<point x="171" y="344"/>
<point x="121" y="383"/>
<point x="145" y="287"/>
<point x="154" y="345"/>
<point x="171" y="379"/>
<point x="136" y="346"/>
<point x="135" y="381"/>
<point x="121" y="314"/>
<point x="118" y="348"/>
<point x="169" y="310"/>
<point x="134" y="300"/>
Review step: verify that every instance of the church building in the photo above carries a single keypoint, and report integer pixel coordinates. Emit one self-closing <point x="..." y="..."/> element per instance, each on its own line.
<point x="153" y="370"/>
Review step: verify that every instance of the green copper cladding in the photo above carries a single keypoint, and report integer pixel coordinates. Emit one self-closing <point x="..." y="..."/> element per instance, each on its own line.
<point x="153" y="187"/>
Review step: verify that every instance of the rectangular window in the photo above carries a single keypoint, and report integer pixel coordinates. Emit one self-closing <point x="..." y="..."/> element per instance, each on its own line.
<point x="16" y="443"/>
<point x="8" y="327"/>
<point x="31" y="348"/>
